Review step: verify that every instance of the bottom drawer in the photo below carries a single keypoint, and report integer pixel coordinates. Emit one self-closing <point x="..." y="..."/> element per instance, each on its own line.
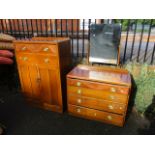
<point x="96" y="115"/>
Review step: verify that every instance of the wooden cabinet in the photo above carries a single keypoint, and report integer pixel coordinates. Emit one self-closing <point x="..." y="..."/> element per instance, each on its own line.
<point x="99" y="93"/>
<point x="42" y="65"/>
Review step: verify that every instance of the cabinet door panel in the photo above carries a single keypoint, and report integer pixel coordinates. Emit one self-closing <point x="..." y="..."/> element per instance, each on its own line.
<point x="49" y="86"/>
<point x="35" y="80"/>
<point x="26" y="85"/>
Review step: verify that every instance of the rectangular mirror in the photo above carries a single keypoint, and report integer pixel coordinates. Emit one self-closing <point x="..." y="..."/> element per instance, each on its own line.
<point x="104" y="43"/>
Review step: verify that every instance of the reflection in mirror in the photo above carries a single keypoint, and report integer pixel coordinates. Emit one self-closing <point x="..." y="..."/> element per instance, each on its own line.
<point x="104" y="43"/>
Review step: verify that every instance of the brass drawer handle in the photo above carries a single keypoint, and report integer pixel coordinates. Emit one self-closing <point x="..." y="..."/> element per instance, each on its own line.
<point x="109" y="117"/>
<point x="120" y="108"/>
<point x="46" y="49"/>
<point x="78" y="84"/>
<point x="95" y="114"/>
<point x="79" y="91"/>
<point x="112" y="97"/>
<point x="110" y="107"/>
<point x="24" y="48"/>
<point x="79" y="100"/>
<point x="25" y="58"/>
<point x="46" y="60"/>
<point x="78" y="110"/>
<point x="122" y="91"/>
<point x="113" y="89"/>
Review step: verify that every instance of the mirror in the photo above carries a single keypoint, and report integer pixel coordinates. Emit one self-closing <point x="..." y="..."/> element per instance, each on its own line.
<point x="104" y="43"/>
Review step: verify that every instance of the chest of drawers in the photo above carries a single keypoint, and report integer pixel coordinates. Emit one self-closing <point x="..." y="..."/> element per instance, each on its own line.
<point x="42" y="65"/>
<point x="98" y="93"/>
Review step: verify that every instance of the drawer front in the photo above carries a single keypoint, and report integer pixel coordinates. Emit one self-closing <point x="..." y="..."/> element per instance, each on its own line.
<point x="37" y="48"/>
<point x="98" y="94"/>
<point x="96" y="115"/>
<point x="97" y="104"/>
<point x="44" y="61"/>
<point x="98" y="86"/>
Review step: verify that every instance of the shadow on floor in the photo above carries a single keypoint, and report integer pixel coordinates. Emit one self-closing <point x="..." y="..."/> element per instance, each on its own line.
<point x="23" y="119"/>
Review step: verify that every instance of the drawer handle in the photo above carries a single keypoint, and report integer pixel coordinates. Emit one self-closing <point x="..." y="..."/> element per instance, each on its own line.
<point x="109" y="117"/>
<point x="79" y="100"/>
<point x="122" y="91"/>
<point x="24" y="48"/>
<point x="120" y="108"/>
<point x="112" y="97"/>
<point x="46" y="60"/>
<point x="79" y="91"/>
<point x="95" y="114"/>
<point x="25" y="58"/>
<point x="78" y="110"/>
<point x="46" y="49"/>
<point x="113" y="89"/>
<point x="110" y="107"/>
<point x="78" y="84"/>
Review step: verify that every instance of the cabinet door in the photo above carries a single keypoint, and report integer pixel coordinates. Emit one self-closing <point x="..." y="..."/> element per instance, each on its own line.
<point x="50" y="86"/>
<point x="24" y="74"/>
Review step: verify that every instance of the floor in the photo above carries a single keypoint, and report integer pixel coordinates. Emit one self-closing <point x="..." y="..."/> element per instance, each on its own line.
<point x="20" y="118"/>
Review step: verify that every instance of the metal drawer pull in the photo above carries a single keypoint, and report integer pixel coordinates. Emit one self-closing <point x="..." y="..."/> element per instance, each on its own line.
<point x="110" y="107"/>
<point x="120" y="108"/>
<point x="78" y="83"/>
<point x="46" y="49"/>
<point x="122" y="91"/>
<point x="78" y="110"/>
<point x="109" y="117"/>
<point x="79" y="91"/>
<point x="79" y="100"/>
<point x="113" y="89"/>
<point x="46" y="60"/>
<point x="94" y="114"/>
<point x="24" y="48"/>
<point x="112" y="97"/>
<point x="25" y="58"/>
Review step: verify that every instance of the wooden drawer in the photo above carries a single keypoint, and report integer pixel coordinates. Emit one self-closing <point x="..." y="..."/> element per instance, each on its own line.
<point x="98" y="86"/>
<point x="97" y="104"/>
<point x="96" y="115"/>
<point x="98" y="94"/>
<point x="37" y="48"/>
<point x="44" y="61"/>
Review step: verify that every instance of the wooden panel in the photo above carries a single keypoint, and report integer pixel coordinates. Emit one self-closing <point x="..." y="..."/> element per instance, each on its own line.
<point x="97" y="104"/>
<point x="43" y="60"/>
<point x="55" y="91"/>
<point x="96" y="115"/>
<point x="37" y="48"/>
<point x="98" y="94"/>
<point x="52" y="86"/>
<point x="101" y="74"/>
<point x="35" y="81"/>
<point x="46" y="93"/>
<point x="24" y="74"/>
<point x="98" y="86"/>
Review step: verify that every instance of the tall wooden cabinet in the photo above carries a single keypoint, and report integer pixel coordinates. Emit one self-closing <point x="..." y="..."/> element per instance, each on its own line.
<point x="42" y="66"/>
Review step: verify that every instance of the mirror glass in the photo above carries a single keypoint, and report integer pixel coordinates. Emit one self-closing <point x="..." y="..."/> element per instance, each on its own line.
<point x="104" y="43"/>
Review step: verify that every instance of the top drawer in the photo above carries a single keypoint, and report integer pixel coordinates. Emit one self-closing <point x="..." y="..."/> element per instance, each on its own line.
<point x="38" y="48"/>
<point x="98" y="86"/>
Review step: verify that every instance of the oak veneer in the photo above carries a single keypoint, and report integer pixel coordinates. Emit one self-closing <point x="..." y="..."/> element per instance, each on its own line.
<point x="99" y="93"/>
<point x="42" y="65"/>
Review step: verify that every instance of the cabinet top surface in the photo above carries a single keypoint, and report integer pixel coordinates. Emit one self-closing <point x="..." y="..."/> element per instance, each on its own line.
<point x="46" y="40"/>
<point x="101" y="74"/>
